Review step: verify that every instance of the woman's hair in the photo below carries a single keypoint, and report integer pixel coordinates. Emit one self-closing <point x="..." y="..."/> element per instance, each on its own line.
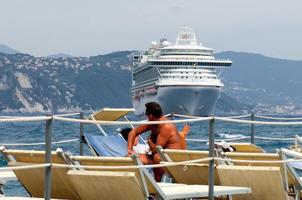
<point x="125" y="132"/>
<point x="154" y="109"/>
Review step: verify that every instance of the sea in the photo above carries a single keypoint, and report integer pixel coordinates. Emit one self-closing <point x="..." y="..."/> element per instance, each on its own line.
<point x="34" y="132"/>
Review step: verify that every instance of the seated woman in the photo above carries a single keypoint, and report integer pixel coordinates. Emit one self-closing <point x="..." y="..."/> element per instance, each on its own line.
<point x="138" y="147"/>
<point x="183" y="135"/>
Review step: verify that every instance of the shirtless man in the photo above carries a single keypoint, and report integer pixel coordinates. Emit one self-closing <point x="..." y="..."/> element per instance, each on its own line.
<point x="165" y="135"/>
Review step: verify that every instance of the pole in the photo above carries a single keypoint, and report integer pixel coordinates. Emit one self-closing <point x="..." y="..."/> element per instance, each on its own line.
<point x="252" y="129"/>
<point x="211" y="162"/>
<point x="47" y="182"/>
<point x="81" y="134"/>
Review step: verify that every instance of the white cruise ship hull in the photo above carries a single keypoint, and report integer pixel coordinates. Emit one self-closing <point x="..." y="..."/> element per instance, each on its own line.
<point x="196" y="101"/>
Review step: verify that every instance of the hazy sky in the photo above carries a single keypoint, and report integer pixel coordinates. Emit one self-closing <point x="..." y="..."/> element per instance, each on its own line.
<point x="92" y="27"/>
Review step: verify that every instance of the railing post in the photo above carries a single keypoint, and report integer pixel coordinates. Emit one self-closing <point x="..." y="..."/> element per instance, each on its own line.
<point x="252" y="129"/>
<point x="211" y="162"/>
<point x="47" y="182"/>
<point x="81" y="134"/>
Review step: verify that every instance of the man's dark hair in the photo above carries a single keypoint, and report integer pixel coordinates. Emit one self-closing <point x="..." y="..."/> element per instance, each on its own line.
<point x="154" y="109"/>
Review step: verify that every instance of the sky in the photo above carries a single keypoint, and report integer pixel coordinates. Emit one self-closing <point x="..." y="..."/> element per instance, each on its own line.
<point x="92" y="27"/>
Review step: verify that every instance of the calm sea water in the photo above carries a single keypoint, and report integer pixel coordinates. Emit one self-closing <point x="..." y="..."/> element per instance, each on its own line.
<point x="34" y="132"/>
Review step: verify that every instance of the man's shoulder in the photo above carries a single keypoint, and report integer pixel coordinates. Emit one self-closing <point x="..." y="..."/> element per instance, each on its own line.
<point x="168" y="127"/>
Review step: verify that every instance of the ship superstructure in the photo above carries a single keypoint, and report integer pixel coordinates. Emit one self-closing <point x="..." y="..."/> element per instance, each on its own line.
<point x="182" y="78"/>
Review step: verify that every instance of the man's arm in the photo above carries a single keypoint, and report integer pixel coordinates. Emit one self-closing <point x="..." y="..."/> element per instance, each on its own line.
<point x="133" y="134"/>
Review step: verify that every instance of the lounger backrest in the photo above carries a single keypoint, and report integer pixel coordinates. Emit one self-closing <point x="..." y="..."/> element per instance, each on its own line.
<point x="188" y="173"/>
<point x="261" y="156"/>
<point x="111" y="161"/>
<point x="111" y="114"/>
<point x="95" y="185"/>
<point x="30" y="156"/>
<point x="191" y="174"/>
<point x="111" y="145"/>
<point x="33" y="179"/>
<point x="247" y="147"/>
<point x="183" y="155"/>
<point x="254" y="156"/>
<point x="285" y="154"/>
<point x="266" y="182"/>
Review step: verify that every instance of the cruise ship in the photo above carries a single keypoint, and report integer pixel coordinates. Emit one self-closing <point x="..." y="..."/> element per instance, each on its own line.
<point x="183" y="78"/>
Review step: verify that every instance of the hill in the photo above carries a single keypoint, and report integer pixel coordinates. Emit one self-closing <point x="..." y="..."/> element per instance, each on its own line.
<point x="7" y="50"/>
<point x="46" y="84"/>
<point x="267" y="83"/>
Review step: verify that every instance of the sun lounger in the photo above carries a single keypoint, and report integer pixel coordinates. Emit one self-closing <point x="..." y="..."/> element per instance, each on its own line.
<point x="22" y="198"/>
<point x="111" y="184"/>
<point x="177" y="155"/>
<point x="266" y="182"/>
<point x="289" y="177"/>
<point x="105" y="144"/>
<point x="8" y="176"/>
<point x="247" y="147"/>
<point x="33" y="179"/>
<point x="111" y="145"/>
<point x="111" y="114"/>
<point x="106" y="161"/>
<point x="263" y="157"/>
<point x="291" y="167"/>
<point x="196" y="173"/>
<point x="254" y="156"/>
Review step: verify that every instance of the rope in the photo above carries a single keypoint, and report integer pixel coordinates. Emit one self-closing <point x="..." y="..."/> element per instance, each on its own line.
<point x="242" y="138"/>
<point x="134" y="123"/>
<point x="197" y="119"/>
<point x="170" y="164"/>
<point x="278" y="139"/>
<point x="25" y="167"/>
<point x="229" y="139"/>
<point x="279" y="118"/>
<point x="40" y="143"/>
<point x="256" y="122"/>
<point x="238" y="117"/>
<point x="258" y="161"/>
<point x="193" y="119"/>
<point x="166" y="164"/>
<point x="185" y="116"/>
<point x="67" y="114"/>
<point x="26" y="119"/>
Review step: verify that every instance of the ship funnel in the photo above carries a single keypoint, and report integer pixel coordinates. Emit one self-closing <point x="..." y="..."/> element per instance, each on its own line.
<point x="186" y="36"/>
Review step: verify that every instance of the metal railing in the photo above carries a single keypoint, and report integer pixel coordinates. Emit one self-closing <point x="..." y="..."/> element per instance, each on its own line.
<point x="211" y="136"/>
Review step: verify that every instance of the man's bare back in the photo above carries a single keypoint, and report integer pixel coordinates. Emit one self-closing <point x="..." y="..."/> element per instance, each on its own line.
<point x="166" y="136"/>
